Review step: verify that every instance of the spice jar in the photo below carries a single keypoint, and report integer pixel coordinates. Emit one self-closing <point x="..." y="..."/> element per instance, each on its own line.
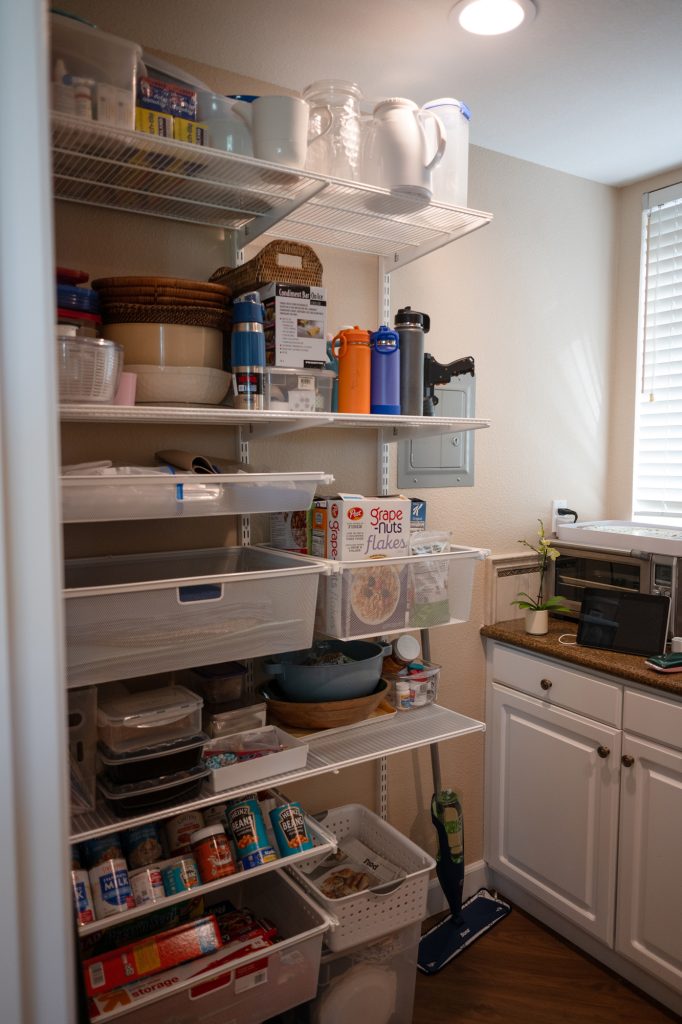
<point x="211" y="849"/>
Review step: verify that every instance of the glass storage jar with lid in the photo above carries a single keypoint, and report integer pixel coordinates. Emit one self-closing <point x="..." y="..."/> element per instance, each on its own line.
<point x="335" y="127"/>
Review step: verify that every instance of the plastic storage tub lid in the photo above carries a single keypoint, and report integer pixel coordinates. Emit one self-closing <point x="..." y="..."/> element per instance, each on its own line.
<point x="148" y="708"/>
<point x="115" y="757"/>
<point x="115" y="791"/>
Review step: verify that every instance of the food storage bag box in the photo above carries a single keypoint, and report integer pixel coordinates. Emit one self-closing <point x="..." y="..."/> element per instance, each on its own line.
<point x="369" y="913"/>
<point x="247" y="989"/>
<point x="298" y="390"/>
<point x="350" y="527"/>
<point x="295" y="325"/>
<point x="128" y="722"/>
<point x="132" y="615"/>
<point x="109" y="63"/>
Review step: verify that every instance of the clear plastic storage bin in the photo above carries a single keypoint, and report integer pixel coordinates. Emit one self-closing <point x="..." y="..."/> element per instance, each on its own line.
<point x="366" y="915"/>
<point x="163" y="496"/>
<point x="393" y="595"/>
<point x="128" y="722"/>
<point x="298" y="390"/>
<point x="134" y="615"/>
<point x="409" y="691"/>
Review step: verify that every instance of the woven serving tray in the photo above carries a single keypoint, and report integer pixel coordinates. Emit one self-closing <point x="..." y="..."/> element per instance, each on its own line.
<point x="267" y="266"/>
<point x="161" y="285"/>
<point x="191" y="316"/>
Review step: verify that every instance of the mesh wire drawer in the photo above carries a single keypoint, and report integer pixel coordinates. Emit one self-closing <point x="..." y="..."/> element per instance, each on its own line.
<point x="141" y="614"/>
<point x="370" y="914"/>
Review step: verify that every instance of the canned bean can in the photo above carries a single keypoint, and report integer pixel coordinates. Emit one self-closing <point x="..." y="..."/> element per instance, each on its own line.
<point x="288" y="824"/>
<point x="147" y="884"/>
<point x="247" y="826"/>
<point x="142" y="845"/>
<point x="180" y="828"/>
<point x="101" y="849"/>
<point x="179" y="875"/>
<point x="254" y="860"/>
<point x="111" y="890"/>
<point x="82" y="896"/>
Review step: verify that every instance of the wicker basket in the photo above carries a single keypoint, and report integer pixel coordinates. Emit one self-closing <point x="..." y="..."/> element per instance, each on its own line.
<point x="266" y="267"/>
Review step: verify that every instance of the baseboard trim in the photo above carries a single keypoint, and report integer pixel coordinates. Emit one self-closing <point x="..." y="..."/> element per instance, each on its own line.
<point x="475" y="878"/>
<point x="593" y="947"/>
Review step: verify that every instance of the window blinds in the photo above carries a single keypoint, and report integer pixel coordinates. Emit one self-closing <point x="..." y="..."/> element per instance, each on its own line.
<point x="657" y="490"/>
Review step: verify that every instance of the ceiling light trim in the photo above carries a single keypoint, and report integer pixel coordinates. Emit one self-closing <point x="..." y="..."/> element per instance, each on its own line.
<point x="492" y="17"/>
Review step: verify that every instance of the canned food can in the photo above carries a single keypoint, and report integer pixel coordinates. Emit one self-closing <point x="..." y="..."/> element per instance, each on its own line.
<point x="180" y="828"/>
<point x="147" y="884"/>
<point x="101" y="849"/>
<point x="110" y="886"/>
<point x="288" y="823"/>
<point x="254" y="860"/>
<point x="82" y="896"/>
<point x="179" y="875"/>
<point x="142" y="845"/>
<point x="247" y="826"/>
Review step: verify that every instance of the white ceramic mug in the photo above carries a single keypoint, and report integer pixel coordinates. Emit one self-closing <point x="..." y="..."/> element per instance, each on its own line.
<point x="396" y="152"/>
<point x="280" y="129"/>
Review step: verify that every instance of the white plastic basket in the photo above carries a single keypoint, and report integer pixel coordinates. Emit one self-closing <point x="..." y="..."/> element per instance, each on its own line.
<point x="89" y="369"/>
<point x="375" y="912"/>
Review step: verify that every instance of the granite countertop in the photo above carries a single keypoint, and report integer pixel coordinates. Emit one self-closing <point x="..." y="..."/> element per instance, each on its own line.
<point x="626" y="666"/>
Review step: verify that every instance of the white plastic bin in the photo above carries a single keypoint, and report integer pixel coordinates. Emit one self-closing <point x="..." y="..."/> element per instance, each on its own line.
<point x="162" y="496"/>
<point x="298" y="390"/>
<point x="373" y="983"/>
<point x="250" y="989"/>
<point x="135" y="615"/>
<point x="106" y="61"/>
<point x="367" y="915"/>
<point x="393" y="595"/>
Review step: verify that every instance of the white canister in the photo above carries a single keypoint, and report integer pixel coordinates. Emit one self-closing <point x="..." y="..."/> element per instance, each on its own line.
<point x="111" y="892"/>
<point x="450" y="177"/>
<point x="82" y="896"/>
<point x="147" y="885"/>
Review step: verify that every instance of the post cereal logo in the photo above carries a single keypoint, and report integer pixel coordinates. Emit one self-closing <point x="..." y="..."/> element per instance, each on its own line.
<point x="335" y="510"/>
<point x="355" y="514"/>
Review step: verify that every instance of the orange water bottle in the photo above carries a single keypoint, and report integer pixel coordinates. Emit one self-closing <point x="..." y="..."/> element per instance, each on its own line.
<point x="351" y="348"/>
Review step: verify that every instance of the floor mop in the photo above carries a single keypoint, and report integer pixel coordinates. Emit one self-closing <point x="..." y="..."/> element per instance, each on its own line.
<point x="466" y="921"/>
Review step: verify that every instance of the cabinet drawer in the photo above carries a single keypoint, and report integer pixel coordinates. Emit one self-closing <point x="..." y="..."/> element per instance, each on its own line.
<point x="654" y="717"/>
<point x="564" y="687"/>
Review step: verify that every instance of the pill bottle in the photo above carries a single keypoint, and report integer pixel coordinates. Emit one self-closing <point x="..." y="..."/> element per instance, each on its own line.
<point x="211" y="849"/>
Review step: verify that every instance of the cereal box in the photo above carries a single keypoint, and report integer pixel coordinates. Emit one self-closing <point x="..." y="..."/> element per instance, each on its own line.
<point x="351" y="527"/>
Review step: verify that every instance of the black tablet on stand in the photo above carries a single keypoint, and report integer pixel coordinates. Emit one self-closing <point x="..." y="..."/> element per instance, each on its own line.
<point x="625" y="622"/>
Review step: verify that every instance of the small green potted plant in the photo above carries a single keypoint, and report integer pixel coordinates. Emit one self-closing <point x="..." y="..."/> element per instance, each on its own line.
<point x="537" y="610"/>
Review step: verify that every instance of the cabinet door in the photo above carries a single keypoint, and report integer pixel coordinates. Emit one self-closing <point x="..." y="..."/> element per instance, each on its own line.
<point x="649" y="926"/>
<point x="553" y="807"/>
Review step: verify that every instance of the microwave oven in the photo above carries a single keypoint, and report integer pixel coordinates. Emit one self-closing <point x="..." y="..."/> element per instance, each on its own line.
<point x="580" y="566"/>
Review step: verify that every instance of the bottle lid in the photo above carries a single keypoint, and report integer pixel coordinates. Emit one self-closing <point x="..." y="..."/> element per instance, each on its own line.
<point x="448" y="101"/>
<point x="408" y="317"/>
<point x="406" y="648"/>
<point x="247" y="308"/>
<point x="385" y="339"/>
<point x="204" y="833"/>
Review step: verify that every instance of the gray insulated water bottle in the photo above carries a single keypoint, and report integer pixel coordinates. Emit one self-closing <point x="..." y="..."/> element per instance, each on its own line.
<point x="411" y="327"/>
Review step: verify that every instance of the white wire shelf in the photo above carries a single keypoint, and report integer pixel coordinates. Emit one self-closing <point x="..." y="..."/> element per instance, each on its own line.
<point x="403" y="731"/>
<point x="100" y="165"/>
<point x="270" y="423"/>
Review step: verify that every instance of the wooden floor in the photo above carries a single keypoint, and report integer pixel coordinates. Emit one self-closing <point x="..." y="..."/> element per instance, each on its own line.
<point x="522" y="973"/>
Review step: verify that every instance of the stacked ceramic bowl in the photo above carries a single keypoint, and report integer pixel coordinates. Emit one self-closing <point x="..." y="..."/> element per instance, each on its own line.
<point x="171" y="330"/>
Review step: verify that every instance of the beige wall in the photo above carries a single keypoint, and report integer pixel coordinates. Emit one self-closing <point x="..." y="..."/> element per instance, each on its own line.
<point x="530" y="298"/>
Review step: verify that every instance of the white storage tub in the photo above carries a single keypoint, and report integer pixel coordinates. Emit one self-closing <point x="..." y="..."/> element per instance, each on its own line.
<point x="135" y="615"/>
<point x="246" y="990"/>
<point x="162" y="496"/>
<point x="374" y="912"/>
<point x="394" y="595"/>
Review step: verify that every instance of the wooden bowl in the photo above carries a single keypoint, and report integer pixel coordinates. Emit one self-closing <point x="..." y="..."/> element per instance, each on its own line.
<point x="324" y="714"/>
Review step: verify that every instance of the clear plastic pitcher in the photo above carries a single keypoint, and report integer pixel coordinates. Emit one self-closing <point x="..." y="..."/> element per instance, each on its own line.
<point x="334" y="148"/>
<point x="450" y="176"/>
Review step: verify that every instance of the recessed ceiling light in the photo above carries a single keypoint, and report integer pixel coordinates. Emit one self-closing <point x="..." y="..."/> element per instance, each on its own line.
<point x="492" y="17"/>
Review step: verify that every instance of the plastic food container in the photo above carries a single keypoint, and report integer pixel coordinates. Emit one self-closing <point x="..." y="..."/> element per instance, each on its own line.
<point x="298" y="390"/>
<point x="151" y="762"/>
<point x="89" y="369"/>
<point x="108" y="62"/>
<point x="169" y="344"/>
<point x="219" y="684"/>
<point x="409" y="691"/>
<point x="152" y="794"/>
<point x="135" y="615"/>
<point x="132" y="722"/>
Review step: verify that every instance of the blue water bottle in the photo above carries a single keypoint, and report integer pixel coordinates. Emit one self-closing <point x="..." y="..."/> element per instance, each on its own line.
<point x="385" y="380"/>
<point x="248" y="352"/>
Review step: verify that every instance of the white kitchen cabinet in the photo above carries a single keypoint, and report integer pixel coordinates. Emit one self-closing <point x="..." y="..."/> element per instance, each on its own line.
<point x="584" y="811"/>
<point x="649" y="928"/>
<point x="553" y="785"/>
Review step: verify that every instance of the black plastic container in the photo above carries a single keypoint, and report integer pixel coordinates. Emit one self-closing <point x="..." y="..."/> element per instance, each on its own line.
<point x="152" y="762"/>
<point x="153" y="794"/>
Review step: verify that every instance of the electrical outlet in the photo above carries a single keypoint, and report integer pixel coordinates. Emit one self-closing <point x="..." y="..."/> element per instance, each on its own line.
<point x="557" y="503"/>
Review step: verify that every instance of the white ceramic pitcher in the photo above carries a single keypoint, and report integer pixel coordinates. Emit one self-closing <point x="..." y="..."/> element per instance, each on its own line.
<point x="396" y="152"/>
<point x="279" y="128"/>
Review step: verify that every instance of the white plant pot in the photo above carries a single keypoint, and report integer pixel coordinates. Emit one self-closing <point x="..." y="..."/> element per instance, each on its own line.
<point x="537" y="622"/>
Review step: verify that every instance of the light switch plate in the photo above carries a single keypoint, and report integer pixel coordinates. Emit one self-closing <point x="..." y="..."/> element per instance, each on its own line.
<point x="448" y="460"/>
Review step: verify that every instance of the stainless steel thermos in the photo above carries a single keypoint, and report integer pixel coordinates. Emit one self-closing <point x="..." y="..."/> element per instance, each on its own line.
<point x="248" y="352"/>
<point x="385" y="377"/>
<point x="411" y="327"/>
